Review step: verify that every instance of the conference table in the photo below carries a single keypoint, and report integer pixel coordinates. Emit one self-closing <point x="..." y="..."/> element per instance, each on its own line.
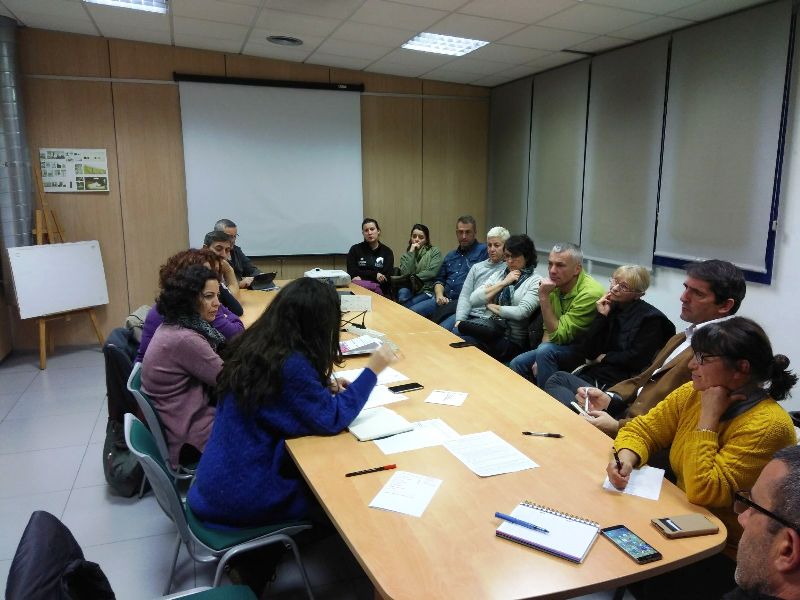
<point x="451" y="551"/>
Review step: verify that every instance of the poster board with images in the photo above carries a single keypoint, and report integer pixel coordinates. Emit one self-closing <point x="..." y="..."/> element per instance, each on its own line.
<point x="56" y="278"/>
<point x="71" y="170"/>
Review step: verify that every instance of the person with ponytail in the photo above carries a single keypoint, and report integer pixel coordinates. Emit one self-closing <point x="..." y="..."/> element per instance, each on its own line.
<point x="721" y="429"/>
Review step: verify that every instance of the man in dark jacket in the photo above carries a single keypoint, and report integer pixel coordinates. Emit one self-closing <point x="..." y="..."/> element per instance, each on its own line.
<point x="243" y="267"/>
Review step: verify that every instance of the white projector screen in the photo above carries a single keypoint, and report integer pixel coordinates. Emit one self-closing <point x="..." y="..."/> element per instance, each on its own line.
<point x="283" y="163"/>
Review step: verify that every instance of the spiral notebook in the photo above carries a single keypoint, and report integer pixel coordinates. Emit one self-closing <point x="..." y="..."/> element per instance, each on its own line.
<point x="568" y="536"/>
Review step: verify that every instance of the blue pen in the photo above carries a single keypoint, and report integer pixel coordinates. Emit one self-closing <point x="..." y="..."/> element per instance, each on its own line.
<point x="516" y="521"/>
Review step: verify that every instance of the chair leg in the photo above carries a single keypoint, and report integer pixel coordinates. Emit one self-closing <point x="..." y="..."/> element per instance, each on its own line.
<point x="174" y="562"/>
<point x="296" y="552"/>
<point x="142" y="487"/>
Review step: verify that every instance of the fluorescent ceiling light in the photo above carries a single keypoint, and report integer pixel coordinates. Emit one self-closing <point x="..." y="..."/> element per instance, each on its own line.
<point x="156" y="6"/>
<point x="443" y="44"/>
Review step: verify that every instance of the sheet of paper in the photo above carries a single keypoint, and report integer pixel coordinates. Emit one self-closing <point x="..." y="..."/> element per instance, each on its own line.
<point x="645" y="483"/>
<point x="407" y="493"/>
<point x="445" y="397"/>
<point x="381" y="395"/>
<point x="487" y="454"/>
<point x="425" y="434"/>
<point x="387" y="376"/>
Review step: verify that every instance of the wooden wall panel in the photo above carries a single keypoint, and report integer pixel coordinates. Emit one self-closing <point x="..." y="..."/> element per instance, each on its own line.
<point x="267" y="68"/>
<point x="151" y="179"/>
<point x="391" y="155"/>
<point x="79" y="114"/>
<point x="53" y="53"/>
<point x="375" y="82"/>
<point x="454" y="166"/>
<point x="138" y="60"/>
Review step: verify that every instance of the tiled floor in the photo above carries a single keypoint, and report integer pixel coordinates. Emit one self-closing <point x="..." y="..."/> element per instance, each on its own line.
<point x="52" y="427"/>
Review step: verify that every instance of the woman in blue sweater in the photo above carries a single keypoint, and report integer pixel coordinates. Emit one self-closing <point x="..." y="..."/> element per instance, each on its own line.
<point x="276" y="384"/>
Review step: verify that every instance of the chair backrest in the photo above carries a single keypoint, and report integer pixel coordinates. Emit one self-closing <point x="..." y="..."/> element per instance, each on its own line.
<point x="142" y="444"/>
<point x="149" y="412"/>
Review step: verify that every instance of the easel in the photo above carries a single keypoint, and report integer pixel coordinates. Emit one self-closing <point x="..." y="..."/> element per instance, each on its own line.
<point x="48" y="231"/>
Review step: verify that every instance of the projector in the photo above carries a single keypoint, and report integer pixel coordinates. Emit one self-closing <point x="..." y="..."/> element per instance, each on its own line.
<point x="335" y="277"/>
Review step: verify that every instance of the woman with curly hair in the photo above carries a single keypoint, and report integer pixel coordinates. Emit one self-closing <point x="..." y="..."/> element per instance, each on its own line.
<point x="226" y="321"/>
<point x="181" y="361"/>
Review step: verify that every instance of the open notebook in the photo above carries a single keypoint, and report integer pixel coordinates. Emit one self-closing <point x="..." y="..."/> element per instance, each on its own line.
<point x="569" y="536"/>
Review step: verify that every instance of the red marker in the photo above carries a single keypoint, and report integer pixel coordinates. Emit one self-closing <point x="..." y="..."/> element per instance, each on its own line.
<point x="375" y="470"/>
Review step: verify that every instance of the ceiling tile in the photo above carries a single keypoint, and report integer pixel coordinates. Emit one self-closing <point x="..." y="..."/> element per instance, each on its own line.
<point x="476" y="65"/>
<point x="653" y="27"/>
<point x="344" y="62"/>
<point x="373" y="34"/>
<point x="448" y="5"/>
<point x="334" y="9"/>
<point x="656" y="7"/>
<point x="296" y="24"/>
<point x="56" y="23"/>
<point x="600" y="44"/>
<point x="5" y="12"/>
<point x="492" y="81"/>
<point x="246" y="2"/>
<point x="415" y="58"/>
<point x="390" y="14"/>
<point x="475" y="28"/>
<point x="546" y="38"/>
<point x="310" y="42"/>
<point x="594" y="19"/>
<point x="210" y="29"/>
<point x="451" y="76"/>
<point x="554" y="60"/>
<point x="47" y="8"/>
<point x="507" y="54"/>
<point x="519" y="71"/>
<point x="354" y="50"/>
<point x="267" y="50"/>
<point x="109" y="18"/>
<point x="207" y="43"/>
<point x="214" y="10"/>
<point x="521" y="11"/>
<point x="708" y="9"/>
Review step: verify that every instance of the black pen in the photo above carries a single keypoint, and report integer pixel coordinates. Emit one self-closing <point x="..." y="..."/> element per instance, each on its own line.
<point x="542" y="434"/>
<point x="616" y="458"/>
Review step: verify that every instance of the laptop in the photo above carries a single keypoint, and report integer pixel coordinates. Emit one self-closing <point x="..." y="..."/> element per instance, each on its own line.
<point x="264" y="282"/>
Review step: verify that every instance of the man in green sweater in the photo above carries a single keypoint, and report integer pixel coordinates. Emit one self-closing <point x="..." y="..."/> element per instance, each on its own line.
<point x="567" y="300"/>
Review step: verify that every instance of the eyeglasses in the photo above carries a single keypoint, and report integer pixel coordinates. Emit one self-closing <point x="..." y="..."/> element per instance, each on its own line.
<point x="742" y="501"/>
<point x="623" y="287"/>
<point x="701" y="358"/>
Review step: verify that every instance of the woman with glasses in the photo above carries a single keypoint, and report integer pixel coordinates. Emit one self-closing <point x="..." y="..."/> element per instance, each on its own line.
<point x="621" y="341"/>
<point x="721" y="429"/>
<point x="510" y="297"/>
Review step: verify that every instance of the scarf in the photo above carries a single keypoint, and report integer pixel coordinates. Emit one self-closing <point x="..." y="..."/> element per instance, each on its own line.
<point x="201" y="326"/>
<point x="505" y="296"/>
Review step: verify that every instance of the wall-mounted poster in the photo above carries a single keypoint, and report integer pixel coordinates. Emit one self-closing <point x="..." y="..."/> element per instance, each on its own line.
<point x="73" y="170"/>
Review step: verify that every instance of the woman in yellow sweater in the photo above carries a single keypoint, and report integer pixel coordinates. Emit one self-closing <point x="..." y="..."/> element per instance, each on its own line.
<point x="721" y="429"/>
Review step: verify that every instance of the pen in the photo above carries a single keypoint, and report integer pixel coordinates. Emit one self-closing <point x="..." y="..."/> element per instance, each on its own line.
<point x="374" y="470"/>
<point x="511" y="519"/>
<point x="616" y="458"/>
<point x="542" y="434"/>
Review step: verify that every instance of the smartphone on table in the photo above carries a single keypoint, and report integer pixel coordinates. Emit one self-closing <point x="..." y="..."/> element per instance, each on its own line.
<point x="404" y="387"/>
<point x="631" y="544"/>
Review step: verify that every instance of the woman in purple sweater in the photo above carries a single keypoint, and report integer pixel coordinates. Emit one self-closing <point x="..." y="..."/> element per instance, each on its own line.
<point x="225" y="321"/>
<point x="276" y="384"/>
<point x="181" y="362"/>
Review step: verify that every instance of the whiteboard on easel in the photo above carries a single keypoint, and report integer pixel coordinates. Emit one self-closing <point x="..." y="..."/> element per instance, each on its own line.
<point x="56" y="278"/>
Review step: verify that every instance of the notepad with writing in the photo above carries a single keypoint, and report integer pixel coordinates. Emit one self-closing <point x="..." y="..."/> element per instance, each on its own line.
<point x="568" y="536"/>
<point x="378" y="422"/>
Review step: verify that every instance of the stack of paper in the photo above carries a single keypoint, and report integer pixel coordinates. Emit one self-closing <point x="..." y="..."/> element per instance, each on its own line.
<point x="363" y="344"/>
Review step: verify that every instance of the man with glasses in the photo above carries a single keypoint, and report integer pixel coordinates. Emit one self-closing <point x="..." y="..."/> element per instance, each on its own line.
<point x="243" y="267"/>
<point x="768" y="558"/>
<point x="713" y="290"/>
<point x="567" y="299"/>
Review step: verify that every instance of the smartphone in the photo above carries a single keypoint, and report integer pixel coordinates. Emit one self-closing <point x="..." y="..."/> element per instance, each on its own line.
<point x="631" y="544"/>
<point x="405" y="387"/>
<point x="461" y="344"/>
<point x="580" y="409"/>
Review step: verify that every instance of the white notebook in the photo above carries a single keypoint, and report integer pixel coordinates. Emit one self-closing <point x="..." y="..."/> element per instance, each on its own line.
<point x="568" y="536"/>
<point x="378" y="422"/>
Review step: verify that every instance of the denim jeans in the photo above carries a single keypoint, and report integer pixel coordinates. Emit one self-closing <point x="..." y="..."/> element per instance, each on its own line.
<point x="548" y="357"/>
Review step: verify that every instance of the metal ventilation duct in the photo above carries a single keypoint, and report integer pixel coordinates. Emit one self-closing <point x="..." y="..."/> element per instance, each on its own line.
<point x="16" y="187"/>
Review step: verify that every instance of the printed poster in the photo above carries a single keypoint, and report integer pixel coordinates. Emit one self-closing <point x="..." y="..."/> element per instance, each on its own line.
<point x="73" y="170"/>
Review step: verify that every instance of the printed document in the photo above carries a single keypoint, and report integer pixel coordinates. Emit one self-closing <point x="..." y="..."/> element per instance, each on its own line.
<point x="487" y="454"/>
<point x="425" y="434"/>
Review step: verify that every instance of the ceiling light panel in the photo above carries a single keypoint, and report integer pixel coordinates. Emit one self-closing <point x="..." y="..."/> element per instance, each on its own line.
<point x="156" y="6"/>
<point x="443" y="44"/>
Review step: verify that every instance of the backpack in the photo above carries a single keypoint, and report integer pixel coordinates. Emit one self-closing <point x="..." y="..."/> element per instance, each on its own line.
<point x="123" y="472"/>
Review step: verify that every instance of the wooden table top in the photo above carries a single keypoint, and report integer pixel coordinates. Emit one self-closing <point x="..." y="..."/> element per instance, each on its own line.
<point x="451" y="550"/>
